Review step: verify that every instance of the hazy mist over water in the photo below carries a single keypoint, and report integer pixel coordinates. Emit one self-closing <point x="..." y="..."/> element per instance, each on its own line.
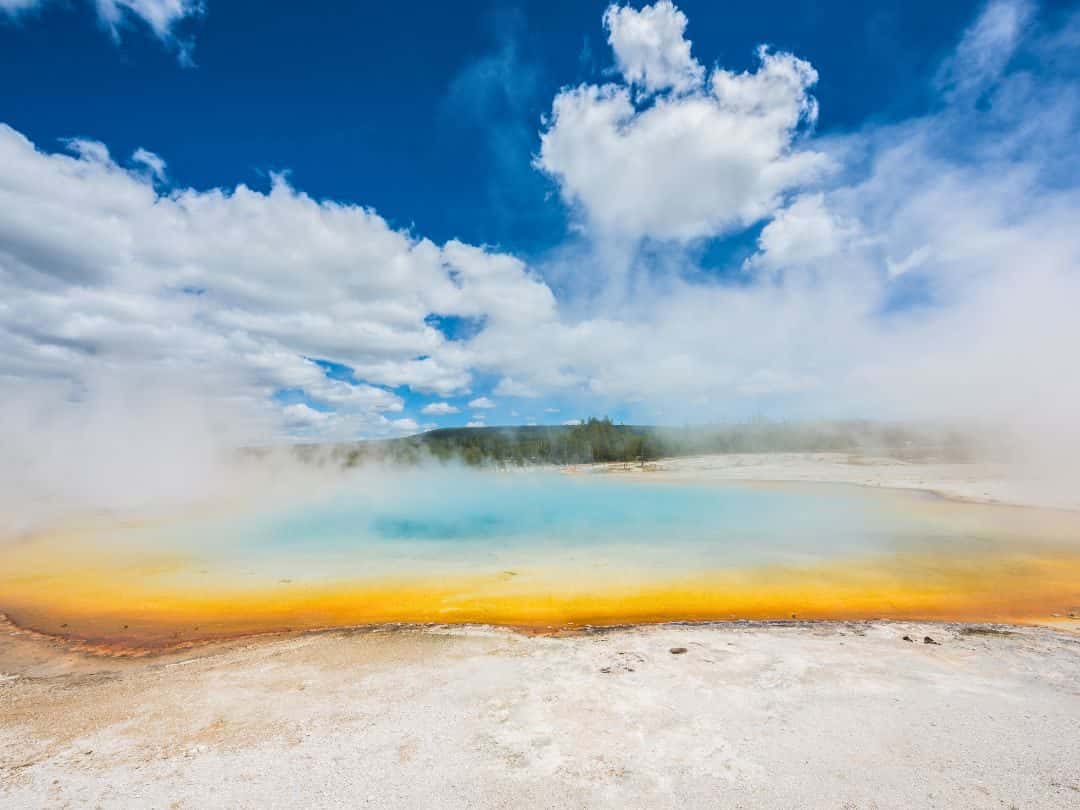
<point x="453" y="544"/>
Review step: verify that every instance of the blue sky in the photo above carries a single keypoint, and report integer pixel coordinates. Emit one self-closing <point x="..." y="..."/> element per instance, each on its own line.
<point x="798" y="253"/>
<point x="429" y="113"/>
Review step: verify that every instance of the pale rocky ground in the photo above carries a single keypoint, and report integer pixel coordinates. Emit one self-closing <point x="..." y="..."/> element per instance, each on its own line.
<point x="825" y="715"/>
<point x="980" y="482"/>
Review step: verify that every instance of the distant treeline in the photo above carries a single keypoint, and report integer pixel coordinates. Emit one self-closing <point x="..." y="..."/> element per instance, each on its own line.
<point x="602" y="440"/>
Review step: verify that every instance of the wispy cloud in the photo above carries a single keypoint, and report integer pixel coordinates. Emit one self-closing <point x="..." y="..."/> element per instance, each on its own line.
<point x="161" y="16"/>
<point x="153" y="164"/>
<point x="14" y="7"/>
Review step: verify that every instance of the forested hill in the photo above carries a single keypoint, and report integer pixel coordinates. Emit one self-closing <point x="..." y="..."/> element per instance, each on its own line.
<point x="601" y="440"/>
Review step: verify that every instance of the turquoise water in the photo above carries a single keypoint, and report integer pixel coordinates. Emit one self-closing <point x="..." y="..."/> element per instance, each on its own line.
<point x="546" y="550"/>
<point x="454" y="521"/>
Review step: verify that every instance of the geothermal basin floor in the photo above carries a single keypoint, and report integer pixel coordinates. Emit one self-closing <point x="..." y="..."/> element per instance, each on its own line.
<point x="714" y="715"/>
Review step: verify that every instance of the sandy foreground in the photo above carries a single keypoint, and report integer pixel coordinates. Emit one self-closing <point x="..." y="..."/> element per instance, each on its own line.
<point x="831" y="714"/>
<point x="800" y="715"/>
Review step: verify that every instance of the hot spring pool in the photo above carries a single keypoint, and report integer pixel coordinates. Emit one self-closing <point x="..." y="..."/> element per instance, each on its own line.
<point x="544" y="550"/>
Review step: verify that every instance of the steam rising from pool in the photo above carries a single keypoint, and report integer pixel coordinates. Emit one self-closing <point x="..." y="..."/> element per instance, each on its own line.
<point x="546" y="550"/>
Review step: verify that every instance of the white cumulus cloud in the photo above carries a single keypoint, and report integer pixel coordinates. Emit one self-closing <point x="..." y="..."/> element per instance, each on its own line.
<point x="236" y="288"/>
<point x="716" y="156"/>
<point x="650" y="47"/>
